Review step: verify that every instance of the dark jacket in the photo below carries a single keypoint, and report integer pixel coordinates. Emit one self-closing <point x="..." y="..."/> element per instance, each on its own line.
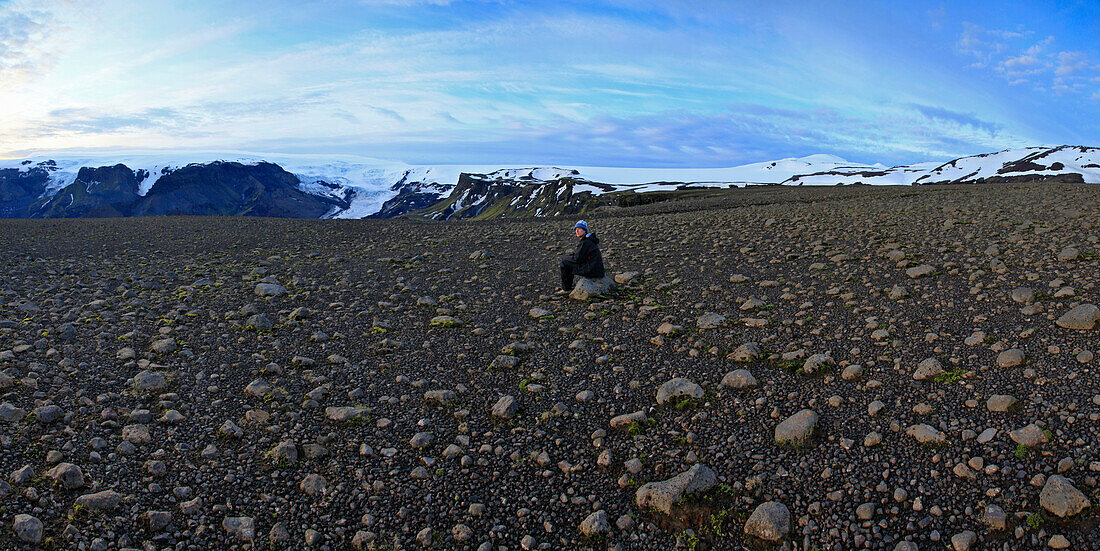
<point x="588" y="258"/>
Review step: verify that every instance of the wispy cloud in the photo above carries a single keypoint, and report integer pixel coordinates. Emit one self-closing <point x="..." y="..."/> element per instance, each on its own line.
<point x="1018" y="58"/>
<point x="606" y="82"/>
<point x="23" y="49"/>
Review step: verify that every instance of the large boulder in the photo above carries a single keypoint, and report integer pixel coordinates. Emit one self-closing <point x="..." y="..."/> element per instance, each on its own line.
<point x="667" y="493"/>
<point x="586" y="288"/>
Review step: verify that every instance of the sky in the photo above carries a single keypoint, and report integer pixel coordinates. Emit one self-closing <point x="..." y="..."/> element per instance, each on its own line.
<point x="644" y="83"/>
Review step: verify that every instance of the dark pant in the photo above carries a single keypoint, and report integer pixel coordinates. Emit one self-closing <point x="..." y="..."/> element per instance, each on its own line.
<point x="568" y="267"/>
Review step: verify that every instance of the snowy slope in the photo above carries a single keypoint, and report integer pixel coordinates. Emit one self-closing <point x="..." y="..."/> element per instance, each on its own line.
<point x="371" y="182"/>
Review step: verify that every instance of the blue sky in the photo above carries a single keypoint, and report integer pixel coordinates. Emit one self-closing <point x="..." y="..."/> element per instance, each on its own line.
<point x="611" y="83"/>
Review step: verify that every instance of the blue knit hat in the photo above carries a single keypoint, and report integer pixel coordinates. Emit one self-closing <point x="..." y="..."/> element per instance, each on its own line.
<point x="582" y="225"/>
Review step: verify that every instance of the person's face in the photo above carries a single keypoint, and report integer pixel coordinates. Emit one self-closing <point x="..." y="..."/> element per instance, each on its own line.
<point x="579" y="232"/>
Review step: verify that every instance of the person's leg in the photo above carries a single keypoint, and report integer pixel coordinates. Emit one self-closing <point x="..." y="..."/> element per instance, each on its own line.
<point x="567" y="274"/>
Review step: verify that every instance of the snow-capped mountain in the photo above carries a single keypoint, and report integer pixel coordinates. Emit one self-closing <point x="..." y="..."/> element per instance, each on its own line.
<point x="342" y="186"/>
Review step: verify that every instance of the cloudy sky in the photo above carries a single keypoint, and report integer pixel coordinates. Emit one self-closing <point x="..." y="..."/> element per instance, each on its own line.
<point x="606" y="82"/>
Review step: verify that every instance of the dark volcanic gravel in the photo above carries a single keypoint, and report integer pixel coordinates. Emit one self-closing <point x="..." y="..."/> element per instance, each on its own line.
<point x="139" y="358"/>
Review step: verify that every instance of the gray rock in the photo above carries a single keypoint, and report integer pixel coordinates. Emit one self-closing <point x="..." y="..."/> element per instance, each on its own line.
<point x="258" y="322"/>
<point x="739" y="378"/>
<point x="963" y="541"/>
<point x="1010" y="358"/>
<point x="27" y="528"/>
<point x="1061" y="498"/>
<point x="627" y="419"/>
<point x="285" y="452"/>
<point x="1022" y="295"/>
<point x="48" y="414"/>
<point x="995" y="518"/>
<point x="676" y="388"/>
<point x="771" y="521"/>
<point x="344" y="414"/>
<point x="817" y="363"/>
<point x="1000" y="403"/>
<point x="164" y="346"/>
<point x="269" y="290"/>
<point x="1030" y="436"/>
<point x="665" y="494"/>
<point x="258" y="388"/>
<point x="920" y="271"/>
<point x="586" y="288"/>
<point x="746" y="352"/>
<point x="157" y="520"/>
<point x="928" y="369"/>
<point x="10" y="414"/>
<point x="99" y="501"/>
<point x="22" y="476"/>
<point x="240" y="528"/>
<point x="504" y="361"/>
<point x="136" y="434"/>
<point x="624" y="278"/>
<point x="1068" y="254"/>
<point x="595" y="524"/>
<point x="710" y="320"/>
<point x="926" y="434"/>
<point x="150" y="381"/>
<point x="313" y="485"/>
<point x="421" y="440"/>
<point x="797" y="429"/>
<point x="440" y="396"/>
<point x="906" y="546"/>
<point x="445" y="321"/>
<point x="505" y="408"/>
<point x="69" y="476"/>
<point x="1084" y="316"/>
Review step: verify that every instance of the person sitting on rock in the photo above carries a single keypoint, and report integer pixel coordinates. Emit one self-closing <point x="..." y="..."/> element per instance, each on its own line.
<point x="586" y="261"/>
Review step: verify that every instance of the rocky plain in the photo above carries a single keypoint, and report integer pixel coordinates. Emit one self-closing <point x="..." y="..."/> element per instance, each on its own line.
<point x="776" y="368"/>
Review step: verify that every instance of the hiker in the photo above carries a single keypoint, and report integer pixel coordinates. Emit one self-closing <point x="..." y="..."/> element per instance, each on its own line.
<point x="586" y="261"/>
